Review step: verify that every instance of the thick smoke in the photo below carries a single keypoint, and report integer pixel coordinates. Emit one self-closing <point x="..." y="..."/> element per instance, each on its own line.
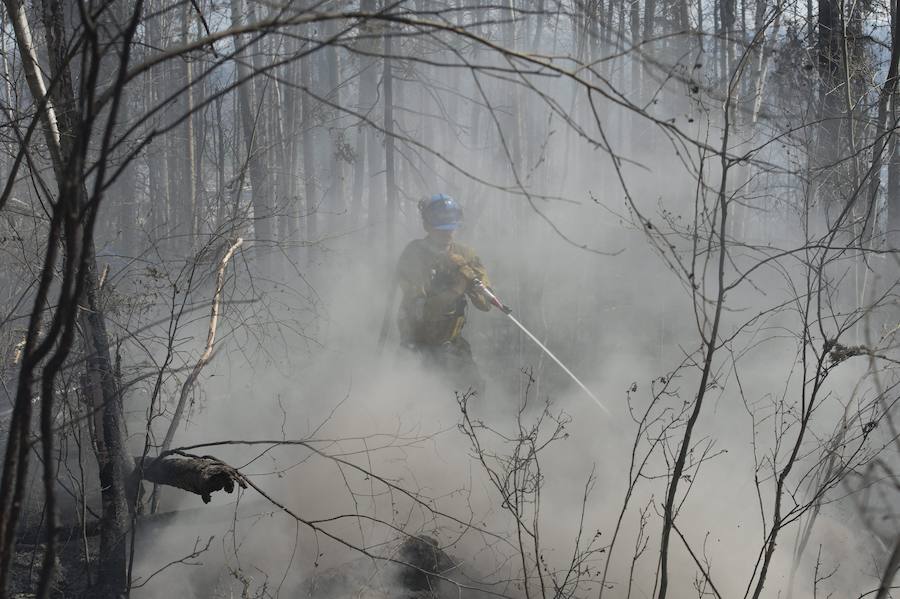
<point x="597" y="215"/>
<point x="622" y="322"/>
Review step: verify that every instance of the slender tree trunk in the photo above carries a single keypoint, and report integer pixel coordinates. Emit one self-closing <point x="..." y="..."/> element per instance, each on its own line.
<point x="829" y="54"/>
<point x="727" y="18"/>
<point x="893" y="184"/>
<point x="336" y="201"/>
<point x="649" y="20"/>
<point x="280" y="122"/>
<point x="367" y="95"/>
<point x="180" y="152"/>
<point x="763" y="54"/>
<point x="636" y="85"/>
<point x="390" y="174"/>
<point x="102" y="389"/>
<point x="883" y="132"/>
<point x="292" y="149"/>
<point x="253" y="132"/>
<point x="359" y="176"/>
<point x="157" y="171"/>
<point x="308" y="123"/>
<point x="219" y="134"/>
<point x="123" y="231"/>
<point x="190" y="180"/>
<point x="700" y="28"/>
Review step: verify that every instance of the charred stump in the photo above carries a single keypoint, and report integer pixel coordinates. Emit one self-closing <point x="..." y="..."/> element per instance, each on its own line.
<point x="423" y="559"/>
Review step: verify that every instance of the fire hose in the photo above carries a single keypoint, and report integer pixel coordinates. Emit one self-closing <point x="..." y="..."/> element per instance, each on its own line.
<point x="507" y="311"/>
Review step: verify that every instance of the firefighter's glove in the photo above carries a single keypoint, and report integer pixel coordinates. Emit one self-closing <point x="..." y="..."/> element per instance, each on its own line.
<point x="468" y="275"/>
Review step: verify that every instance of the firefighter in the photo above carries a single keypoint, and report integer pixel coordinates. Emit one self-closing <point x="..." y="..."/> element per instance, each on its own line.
<point x="438" y="278"/>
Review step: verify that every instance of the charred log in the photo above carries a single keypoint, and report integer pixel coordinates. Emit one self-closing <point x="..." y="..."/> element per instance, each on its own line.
<point x="201" y="475"/>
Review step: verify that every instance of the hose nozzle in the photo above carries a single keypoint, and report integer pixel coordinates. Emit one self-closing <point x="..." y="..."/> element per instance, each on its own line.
<point x="492" y="297"/>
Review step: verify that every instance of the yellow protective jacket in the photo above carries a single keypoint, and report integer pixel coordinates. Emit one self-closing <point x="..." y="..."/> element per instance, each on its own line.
<point x="435" y="284"/>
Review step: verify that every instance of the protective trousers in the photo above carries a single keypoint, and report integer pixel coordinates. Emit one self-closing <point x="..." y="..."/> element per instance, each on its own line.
<point x="454" y="361"/>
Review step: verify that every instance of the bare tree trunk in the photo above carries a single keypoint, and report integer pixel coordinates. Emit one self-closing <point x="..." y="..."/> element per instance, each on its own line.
<point x="636" y="84"/>
<point x="700" y="29"/>
<point x="390" y="174"/>
<point x="253" y="131"/>
<point x="726" y="17"/>
<point x="112" y="446"/>
<point x="67" y="137"/>
<point x="883" y="133"/>
<point x="102" y="390"/>
<point x="189" y="182"/>
<point x="359" y="175"/>
<point x="309" y="160"/>
<point x="893" y="185"/>
<point x="157" y="166"/>
<point x="367" y="95"/>
<point x="684" y="20"/>
<point x="179" y="149"/>
<point x="649" y="20"/>
<point x="122" y="197"/>
<point x="336" y="200"/>
<point x="16" y="457"/>
<point x="829" y="54"/>
<point x="374" y="153"/>
<point x="893" y="182"/>
<point x="280" y="122"/>
<point x="291" y="214"/>
<point x="219" y="133"/>
<point x="763" y="54"/>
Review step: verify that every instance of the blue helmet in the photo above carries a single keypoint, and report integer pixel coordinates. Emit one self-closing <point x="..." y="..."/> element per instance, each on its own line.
<point x="440" y="211"/>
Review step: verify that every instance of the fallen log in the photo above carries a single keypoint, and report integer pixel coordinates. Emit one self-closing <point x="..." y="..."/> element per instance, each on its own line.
<point x="201" y="475"/>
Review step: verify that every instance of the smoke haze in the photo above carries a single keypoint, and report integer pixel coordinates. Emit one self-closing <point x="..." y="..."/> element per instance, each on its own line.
<point x="670" y="204"/>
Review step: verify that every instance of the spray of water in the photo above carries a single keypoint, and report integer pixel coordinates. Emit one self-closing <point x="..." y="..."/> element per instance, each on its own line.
<point x="555" y="359"/>
<point x="487" y="291"/>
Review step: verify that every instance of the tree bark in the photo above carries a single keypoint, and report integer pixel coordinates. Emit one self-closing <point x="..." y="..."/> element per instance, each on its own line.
<point x="190" y="180"/>
<point x="157" y="165"/>
<point x="335" y="202"/>
<point x="195" y="474"/>
<point x="829" y="58"/>
<point x="309" y="160"/>
<point x="390" y="174"/>
<point x="249" y="105"/>
<point x="883" y="133"/>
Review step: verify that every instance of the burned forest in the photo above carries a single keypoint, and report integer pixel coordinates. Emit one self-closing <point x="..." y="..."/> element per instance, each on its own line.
<point x="449" y="299"/>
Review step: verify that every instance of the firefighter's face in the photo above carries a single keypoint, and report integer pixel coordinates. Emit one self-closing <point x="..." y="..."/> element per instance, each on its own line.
<point x="440" y="237"/>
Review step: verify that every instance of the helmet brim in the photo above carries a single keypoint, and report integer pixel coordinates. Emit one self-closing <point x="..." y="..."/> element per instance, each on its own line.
<point x="447" y="227"/>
